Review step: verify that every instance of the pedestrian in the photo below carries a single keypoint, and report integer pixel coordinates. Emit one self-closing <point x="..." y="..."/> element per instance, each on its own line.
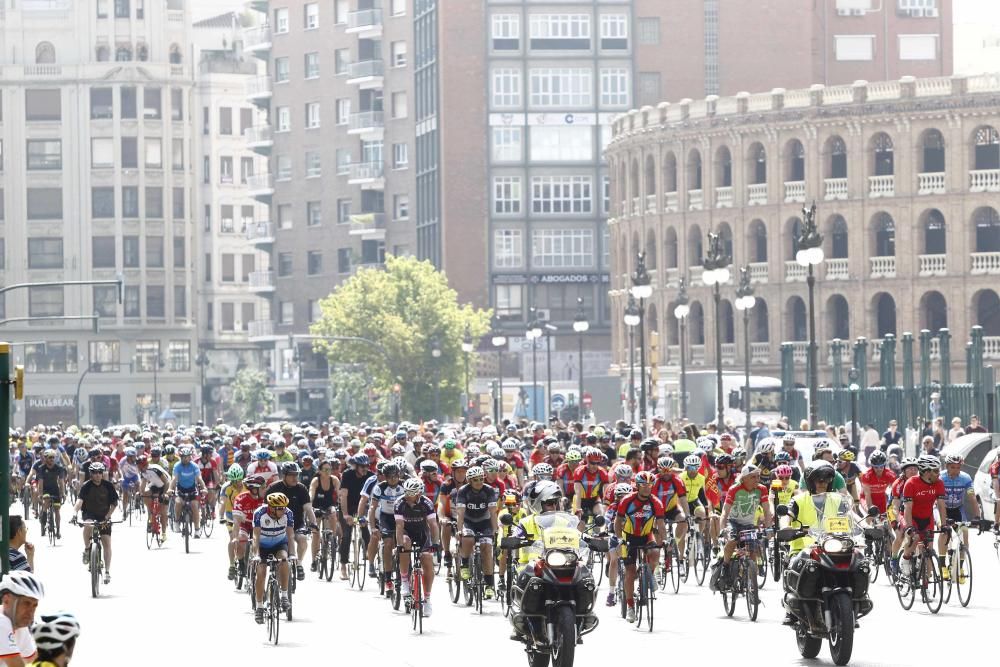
<point x="18" y="531"/>
<point x="892" y="436"/>
<point x="974" y="425"/>
<point x="930" y="447"/>
<point x="956" y="430"/>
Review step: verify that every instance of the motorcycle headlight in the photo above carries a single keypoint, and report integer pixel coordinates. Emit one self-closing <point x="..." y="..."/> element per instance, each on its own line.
<point x="836" y="545"/>
<point x="559" y="559"/>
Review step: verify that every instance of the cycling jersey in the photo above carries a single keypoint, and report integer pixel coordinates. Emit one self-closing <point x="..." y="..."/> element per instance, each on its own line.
<point x="564" y="476"/>
<point x="325" y="498"/>
<point x="668" y="490"/>
<point x="298" y="498"/>
<point x="505" y="531"/>
<point x="187" y="476"/>
<point x="878" y="486"/>
<point x="923" y="496"/>
<point x="130" y="472"/>
<point x="695" y="487"/>
<point x="784" y="493"/>
<point x="25" y="462"/>
<point x="208" y="469"/>
<point x="155" y="476"/>
<point x="49" y="477"/>
<point x="639" y="515"/>
<point x="266" y="469"/>
<point x="591" y="481"/>
<point x="956" y="489"/>
<point x="385" y="495"/>
<point x="245" y="505"/>
<point x="414" y="518"/>
<point x="15" y="642"/>
<point x="477" y="504"/>
<point x="432" y="489"/>
<point x="273" y="530"/>
<point x="230" y="490"/>
<point x="744" y="503"/>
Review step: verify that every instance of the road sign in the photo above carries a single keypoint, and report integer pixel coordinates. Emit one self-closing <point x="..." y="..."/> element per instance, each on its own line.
<point x="558" y="402"/>
<point x="588" y="400"/>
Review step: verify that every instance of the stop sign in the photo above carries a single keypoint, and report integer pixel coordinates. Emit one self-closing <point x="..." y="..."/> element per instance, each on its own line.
<point x="588" y="400"/>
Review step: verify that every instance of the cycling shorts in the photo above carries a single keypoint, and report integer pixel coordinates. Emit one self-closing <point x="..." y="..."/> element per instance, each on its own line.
<point x="631" y="542"/>
<point x="956" y="514"/>
<point x="278" y="551"/>
<point x="387" y="524"/>
<point x="482" y="531"/>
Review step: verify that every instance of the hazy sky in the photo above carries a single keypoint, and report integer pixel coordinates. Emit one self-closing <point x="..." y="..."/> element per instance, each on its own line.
<point x="975" y="11"/>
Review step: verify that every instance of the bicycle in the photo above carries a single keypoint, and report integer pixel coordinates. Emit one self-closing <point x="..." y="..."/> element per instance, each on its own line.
<point x="359" y="556"/>
<point x="959" y="563"/>
<point x="505" y="594"/>
<point x="453" y="574"/>
<point x="206" y="516"/>
<point x="698" y="551"/>
<point x="475" y="588"/>
<point x="670" y="568"/>
<point x="925" y="575"/>
<point x="620" y="584"/>
<point x="743" y="574"/>
<point x="272" y="599"/>
<point x="48" y="517"/>
<point x="154" y="531"/>
<point x="95" y="553"/>
<point x="327" y="564"/>
<point x="415" y="600"/>
<point x="26" y="500"/>
<point x="647" y="585"/>
<point x="186" y="521"/>
<point x="878" y="546"/>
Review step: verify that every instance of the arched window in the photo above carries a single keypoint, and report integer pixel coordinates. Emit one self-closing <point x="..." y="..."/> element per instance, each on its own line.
<point x="670" y="249"/>
<point x="836" y="151"/>
<point x="694" y="170"/>
<point x="634" y="184"/>
<point x="650" y="177"/>
<point x="884" y="307"/>
<point x="651" y="250"/>
<point x="838" y="318"/>
<point x="727" y="321"/>
<point x="933" y="312"/>
<point x="723" y="167"/>
<point x="932" y="154"/>
<point x="986" y="304"/>
<point x="672" y="327"/>
<point x="795" y="316"/>
<point x="694" y="246"/>
<point x="795" y="156"/>
<point x="759" y="330"/>
<point x="142" y="53"/>
<point x="45" y="53"/>
<point x="883" y="156"/>
<point x="175" y="54"/>
<point x="987" y="224"/>
<point x="757" y="244"/>
<point x="696" y="324"/>
<point x="986" y="148"/>
<point x="934" y="232"/>
<point x="838" y="237"/>
<point x="726" y="236"/>
<point x="757" y="164"/>
<point x="670" y="172"/>
<point x="793" y="230"/>
<point x="885" y="235"/>
<point x="123" y="54"/>
<point x="103" y="54"/>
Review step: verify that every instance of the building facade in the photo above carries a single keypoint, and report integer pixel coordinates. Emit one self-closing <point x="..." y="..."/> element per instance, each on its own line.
<point x="97" y="182"/>
<point x="904" y="175"/>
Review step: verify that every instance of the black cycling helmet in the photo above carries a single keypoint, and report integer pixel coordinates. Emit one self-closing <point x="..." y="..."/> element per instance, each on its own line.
<point x="878" y="459"/>
<point x="290" y="468"/>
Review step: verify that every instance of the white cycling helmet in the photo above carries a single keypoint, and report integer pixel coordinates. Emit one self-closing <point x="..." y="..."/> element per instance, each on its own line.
<point x="928" y="462"/>
<point x="24" y="584"/>
<point x="749" y="469"/>
<point x="53" y="630"/>
<point x="624" y="472"/>
<point x="542" y="471"/>
<point x="765" y="446"/>
<point x="413" y="487"/>
<point x="692" y="460"/>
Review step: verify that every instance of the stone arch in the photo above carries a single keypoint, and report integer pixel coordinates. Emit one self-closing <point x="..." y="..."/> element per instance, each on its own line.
<point x="670" y="172"/>
<point x="757" y="241"/>
<point x="123" y="53"/>
<point x="759" y="328"/>
<point x="670" y="248"/>
<point x="727" y="321"/>
<point x="756" y="164"/>
<point x="836" y="237"/>
<point x="795" y="161"/>
<point x="696" y="324"/>
<point x="835" y="157"/>
<point x="694" y="170"/>
<point x="931" y="153"/>
<point x="838" y="318"/>
<point x="986" y="229"/>
<point x="883" y="235"/>
<point x="651" y="250"/>
<point x="883" y="314"/>
<point x="796" y="323"/>
<point x="883" y="160"/>
<point x="45" y="53"/>
<point x="694" y="246"/>
<point x="932" y="228"/>
<point x="985" y="148"/>
<point x="649" y="175"/>
<point x="726" y="236"/>
<point x="723" y="167"/>
<point x="933" y="311"/>
<point x="986" y="305"/>
<point x="793" y="230"/>
<point x="176" y="56"/>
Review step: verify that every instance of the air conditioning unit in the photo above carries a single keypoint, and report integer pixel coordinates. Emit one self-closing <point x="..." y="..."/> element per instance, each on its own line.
<point x="542" y="314"/>
<point x="857" y="12"/>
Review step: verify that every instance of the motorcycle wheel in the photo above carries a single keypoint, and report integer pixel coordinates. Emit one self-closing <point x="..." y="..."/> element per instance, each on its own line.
<point x="809" y="646"/>
<point x="842" y="630"/>
<point x="564" y="642"/>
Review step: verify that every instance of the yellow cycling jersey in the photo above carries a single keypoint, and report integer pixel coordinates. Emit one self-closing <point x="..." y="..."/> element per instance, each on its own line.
<point x="784" y="493"/>
<point x="229" y="493"/>
<point x="694" y="486"/>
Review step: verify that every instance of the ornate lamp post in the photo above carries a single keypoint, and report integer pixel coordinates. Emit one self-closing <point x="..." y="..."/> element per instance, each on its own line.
<point x="745" y="301"/>
<point x="632" y="320"/>
<point x="716" y="272"/>
<point x="580" y="326"/>
<point x="681" y="312"/>
<point x="809" y="253"/>
<point x="498" y="340"/>
<point x="642" y="289"/>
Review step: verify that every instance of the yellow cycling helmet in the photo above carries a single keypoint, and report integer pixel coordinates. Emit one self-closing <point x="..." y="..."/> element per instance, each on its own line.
<point x="277" y="500"/>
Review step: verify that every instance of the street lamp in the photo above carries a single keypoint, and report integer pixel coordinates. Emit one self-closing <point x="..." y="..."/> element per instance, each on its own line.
<point x="466" y="351"/>
<point x="853" y="376"/>
<point x="632" y="319"/>
<point x="809" y="253"/>
<point x="580" y="326"/>
<point x="533" y="333"/>
<point x="202" y="361"/>
<point x="681" y="312"/>
<point x="716" y="272"/>
<point x="745" y="301"/>
<point x="642" y="289"/>
<point x="436" y="354"/>
<point x="498" y="340"/>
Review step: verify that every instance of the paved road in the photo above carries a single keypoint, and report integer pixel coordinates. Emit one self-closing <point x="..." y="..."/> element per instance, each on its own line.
<point x="155" y="593"/>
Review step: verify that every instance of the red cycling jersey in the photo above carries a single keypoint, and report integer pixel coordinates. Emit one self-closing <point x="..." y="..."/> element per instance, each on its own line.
<point x="207" y="468"/>
<point x="923" y="496"/>
<point x="564" y="476"/>
<point x="668" y="489"/>
<point x="592" y="482"/>
<point x="878" y="485"/>
<point x="246" y="505"/>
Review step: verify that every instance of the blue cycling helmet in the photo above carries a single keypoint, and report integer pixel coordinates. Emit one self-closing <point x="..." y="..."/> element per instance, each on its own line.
<point x="263" y="454"/>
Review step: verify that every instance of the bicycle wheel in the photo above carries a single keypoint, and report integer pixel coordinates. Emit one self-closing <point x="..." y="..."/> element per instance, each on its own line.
<point x="674" y="565"/>
<point x="480" y="581"/>
<point x="905" y="589"/>
<point x="321" y="559"/>
<point x="417" y="606"/>
<point x="752" y="591"/>
<point x="331" y="555"/>
<point x="149" y="533"/>
<point x="949" y="584"/>
<point x="650" y="596"/>
<point x="932" y="586"/>
<point x="51" y="519"/>
<point x="397" y="587"/>
<point x="964" y="580"/>
<point x="241" y="565"/>
<point x="291" y="590"/>
<point x="95" y="568"/>
<point x="776" y="562"/>
<point x="275" y="605"/>
<point x="700" y="562"/>
<point x="729" y="594"/>
<point x="207" y="522"/>
<point x="761" y="561"/>
<point x="601" y="563"/>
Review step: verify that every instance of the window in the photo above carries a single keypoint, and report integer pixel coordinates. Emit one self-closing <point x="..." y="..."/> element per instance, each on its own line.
<point x="284" y="119"/>
<point x="246" y="220"/>
<point x="179" y="355"/>
<point x="45" y="203"/>
<point x="314" y="213"/>
<point x="177" y="154"/>
<point x="918" y="8"/>
<point x="102" y="9"/>
<point x="343" y="260"/>
<point x="614" y="86"/>
<point x="177" y="203"/>
<point x="50" y="357"/>
<point x="102" y="202"/>
<point x="648" y="28"/>
<point x="128" y="101"/>
<point x="130" y="252"/>
<point x="106" y="300"/>
<point x="311" y="16"/>
<point x="151" y="108"/>
<point x="226" y="120"/>
<point x="280" y="21"/>
<point x="508" y="249"/>
<point x="154" y="252"/>
<point x="179" y="252"/>
<point x="284" y="264"/>
<point x="104" y="356"/>
<point x="397" y="51"/>
<point x="312" y="65"/>
<point x="154" y="153"/>
<point x="401" y="207"/>
<point x="343" y="161"/>
<point x="561" y="194"/>
<point x="614" y="32"/>
<point x="399" y="109"/>
<point x="314" y="262"/>
<point x="101" y="106"/>
<point x="130" y="152"/>
<point x="284" y="216"/>
<point x="506" y="144"/>
<point x="343" y="111"/>
<point x="121" y="9"/>
<point x="605" y="198"/>
<point x="45" y="302"/>
<point x="45" y="253"/>
<point x="286" y="311"/>
<point x="154" y="202"/>
<point x="559" y="31"/>
<point x="341" y="9"/>
<point x="130" y="201"/>
<point x="562" y="248"/>
<point x="176" y="104"/>
<point x="507" y="194"/>
<point x="918" y="47"/>
<point x="228" y="268"/>
<point x="281" y="70"/>
<point x="123" y="54"/>
<point x="343" y="211"/>
<point x="140" y="10"/>
<point x="561" y="144"/>
<point x="560" y="87"/>
<point x="506" y="87"/>
<point x="132" y="307"/>
<point x="156" y="301"/>
<point x="400" y="156"/>
<point x="649" y="88"/>
<point x="226" y="221"/>
<point x="208" y="269"/>
<point x="226" y="169"/>
<point x="341" y="61"/>
<point x="398" y="7"/>
<point x="102" y="250"/>
<point x="315" y="311"/>
<point x="246" y="120"/>
<point x="508" y="301"/>
<point x="505" y="31"/>
<point x="854" y="47"/>
<point x="42" y="105"/>
<point x="312" y="115"/>
<point x="246" y="169"/>
<point x="284" y="168"/>
<point x="44" y="154"/>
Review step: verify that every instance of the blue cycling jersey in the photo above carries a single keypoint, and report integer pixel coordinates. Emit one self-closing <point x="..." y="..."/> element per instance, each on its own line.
<point x="186" y="475"/>
<point x="955" y="489"/>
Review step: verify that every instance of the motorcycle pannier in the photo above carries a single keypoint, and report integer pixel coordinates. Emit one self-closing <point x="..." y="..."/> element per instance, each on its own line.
<point x="533" y="600"/>
<point x="799" y="579"/>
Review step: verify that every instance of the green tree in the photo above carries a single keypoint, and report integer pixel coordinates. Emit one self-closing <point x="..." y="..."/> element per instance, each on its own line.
<point x="251" y="397"/>
<point x="402" y="308"/>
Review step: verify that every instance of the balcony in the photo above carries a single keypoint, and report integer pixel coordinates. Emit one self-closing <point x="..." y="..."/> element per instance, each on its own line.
<point x="258" y="90"/>
<point x="367" y="173"/>
<point x="260" y="186"/>
<point x="696" y="273"/>
<point x="651" y="204"/>
<point x="883" y="267"/>
<point x="795" y="191"/>
<point x="262" y="282"/>
<point x="758" y="272"/>
<point x="672" y="277"/>
<point x="991" y="347"/>
<point x="369" y="226"/>
<point x="985" y="263"/>
<point x="366" y="73"/>
<point x="698" y="355"/>
<point x="636" y="205"/>
<point x="696" y="200"/>
<point x="881" y="186"/>
<point x="794" y="272"/>
<point x="671" y="202"/>
<point x="260" y="330"/>
<point x="260" y="233"/>
<point x="800" y="351"/>
<point x="846" y="352"/>
<point x="756" y="194"/>
<point x="836" y="269"/>
<point x="760" y="353"/>
<point x="932" y="265"/>
<point x="984" y="180"/>
<point x="365" y="23"/>
<point x="834" y="188"/>
<point x="728" y="354"/>
<point x="724" y="197"/>
<point x="930" y="184"/>
<point x="368" y="124"/>
<point x="260" y="139"/>
<point x="257" y="41"/>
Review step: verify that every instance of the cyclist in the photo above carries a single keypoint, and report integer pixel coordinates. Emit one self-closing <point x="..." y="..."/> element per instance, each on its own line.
<point x="589" y="481"/>
<point x="244" y="506"/>
<point x="228" y="494"/>
<point x="97" y="502"/>
<point x="637" y="515"/>
<point x="875" y="481"/>
<point x="416" y="528"/>
<point x="349" y="498"/>
<point x="850" y="471"/>
<point x="55" y="636"/>
<point x="922" y="494"/>
<point x="210" y="465"/>
<point x="739" y="512"/>
<point x="273" y="536"/>
<point x="263" y="466"/>
<point x="187" y="484"/>
<point x="669" y="489"/>
<point x="784" y="487"/>
<point x="763" y="460"/>
<point x="153" y="483"/>
<point x="788" y="447"/>
<point x="894" y="508"/>
<point x="382" y="516"/>
<point x="476" y="507"/>
<point x="960" y="503"/>
<point x="621" y="490"/>
<point x="23" y="464"/>
<point x="53" y="484"/>
<point x="20" y="593"/>
<point x="694" y="482"/>
<point x="300" y="504"/>
<point x="446" y="507"/>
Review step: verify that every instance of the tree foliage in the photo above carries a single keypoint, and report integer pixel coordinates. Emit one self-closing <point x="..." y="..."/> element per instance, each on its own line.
<point x="251" y="397"/>
<point x="403" y="308"/>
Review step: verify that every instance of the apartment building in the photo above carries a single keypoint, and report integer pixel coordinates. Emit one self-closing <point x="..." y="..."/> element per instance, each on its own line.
<point x="97" y="182"/>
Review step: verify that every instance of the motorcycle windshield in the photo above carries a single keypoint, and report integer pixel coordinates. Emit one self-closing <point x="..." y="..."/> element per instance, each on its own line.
<point x="833" y="514"/>
<point x="558" y="530"/>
